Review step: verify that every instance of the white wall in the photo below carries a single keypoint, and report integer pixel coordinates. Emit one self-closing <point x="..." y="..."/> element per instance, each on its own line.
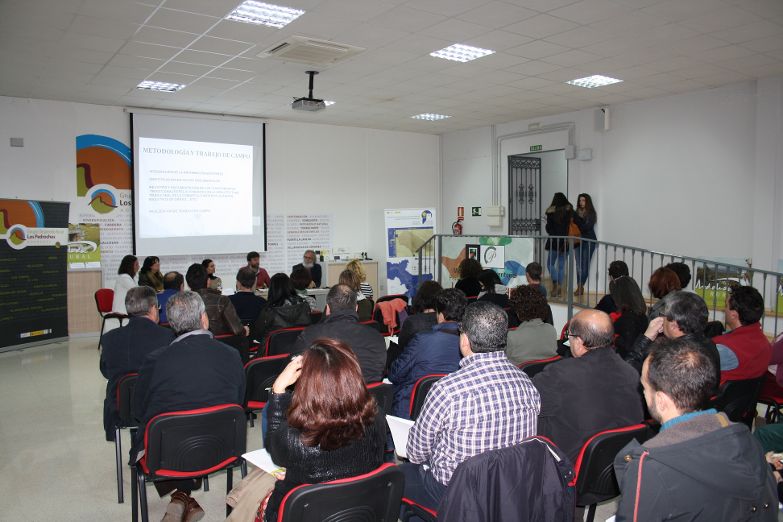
<point x="696" y="174"/>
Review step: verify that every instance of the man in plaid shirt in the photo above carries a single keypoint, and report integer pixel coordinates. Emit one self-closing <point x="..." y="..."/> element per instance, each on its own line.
<point x="487" y="404"/>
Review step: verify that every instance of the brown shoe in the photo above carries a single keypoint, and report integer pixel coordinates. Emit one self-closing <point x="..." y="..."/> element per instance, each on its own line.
<point x="176" y="508"/>
<point x="194" y="511"/>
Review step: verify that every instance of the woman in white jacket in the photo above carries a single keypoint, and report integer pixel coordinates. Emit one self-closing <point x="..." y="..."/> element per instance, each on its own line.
<point x="129" y="266"/>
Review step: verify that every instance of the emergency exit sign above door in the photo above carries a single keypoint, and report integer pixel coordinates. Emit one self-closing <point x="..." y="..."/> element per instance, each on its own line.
<point x="536" y="148"/>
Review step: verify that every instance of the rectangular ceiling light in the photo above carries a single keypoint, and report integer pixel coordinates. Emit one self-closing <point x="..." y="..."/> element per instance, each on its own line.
<point x="328" y="102"/>
<point x="253" y="12"/>
<point x="160" y="86"/>
<point x="430" y="117"/>
<point x="591" y="82"/>
<point x="461" y="53"/>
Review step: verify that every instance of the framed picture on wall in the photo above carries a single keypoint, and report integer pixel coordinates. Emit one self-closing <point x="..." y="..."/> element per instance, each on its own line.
<point x="472" y="252"/>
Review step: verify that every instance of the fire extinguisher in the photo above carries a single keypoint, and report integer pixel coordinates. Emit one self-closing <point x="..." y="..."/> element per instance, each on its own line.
<point x="456" y="227"/>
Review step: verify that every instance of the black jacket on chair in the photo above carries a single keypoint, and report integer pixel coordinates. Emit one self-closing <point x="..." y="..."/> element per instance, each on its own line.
<point x="124" y="351"/>
<point x="366" y="342"/>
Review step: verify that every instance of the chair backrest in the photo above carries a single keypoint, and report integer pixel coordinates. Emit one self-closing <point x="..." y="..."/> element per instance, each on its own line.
<point x="282" y="341"/>
<point x="315" y="316"/>
<point x="374" y="496"/>
<point x="193" y="443"/>
<point x="260" y="374"/>
<point x="372" y="323"/>
<point x="384" y="395"/>
<point x="420" y="391"/>
<point x="125" y="388"/>
<point x="392" y="297"/>
<point x="531" y="368"/>
<point x="595" y="480"/>
<point x="104" y="299"/>
<point x="737" y="399"/>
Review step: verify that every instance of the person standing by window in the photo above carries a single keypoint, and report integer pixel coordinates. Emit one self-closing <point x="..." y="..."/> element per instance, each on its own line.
<point x="585" y="218"/>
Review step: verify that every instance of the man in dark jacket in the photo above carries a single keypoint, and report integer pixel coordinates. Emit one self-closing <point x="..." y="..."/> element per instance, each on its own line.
<point x="194" y="371"/>
<point x="592" y="391"/>
<point x="342" y="323"/>
<point x="124" y="349"/>
<point x="700" y="466"/>
<point x="436" y="351"/>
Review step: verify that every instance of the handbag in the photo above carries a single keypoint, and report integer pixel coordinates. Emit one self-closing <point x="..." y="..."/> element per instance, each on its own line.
<point x="250" y="497"/>
<point x="573" y="231"/>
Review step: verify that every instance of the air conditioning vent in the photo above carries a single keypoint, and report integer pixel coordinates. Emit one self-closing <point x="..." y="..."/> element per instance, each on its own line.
<point x="310" y="51"/>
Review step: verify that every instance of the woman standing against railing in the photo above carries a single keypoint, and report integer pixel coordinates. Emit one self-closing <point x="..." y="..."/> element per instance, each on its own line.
<point x="558" y="217"/>
<point x="585" y="218"/>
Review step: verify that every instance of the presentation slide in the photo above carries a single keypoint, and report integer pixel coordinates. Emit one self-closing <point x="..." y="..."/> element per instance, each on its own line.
<point x="198" y="184"/>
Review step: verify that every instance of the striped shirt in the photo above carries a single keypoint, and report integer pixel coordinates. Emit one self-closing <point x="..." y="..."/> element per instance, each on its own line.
<point x="487" y="404"/>
<point x="366" y="289"/>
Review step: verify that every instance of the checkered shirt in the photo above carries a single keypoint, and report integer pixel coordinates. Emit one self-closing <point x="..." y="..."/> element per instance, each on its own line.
<point x="487" y="404"/>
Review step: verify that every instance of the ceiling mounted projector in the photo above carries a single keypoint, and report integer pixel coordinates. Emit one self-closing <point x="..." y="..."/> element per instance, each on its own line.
<point x="309" y="103"/>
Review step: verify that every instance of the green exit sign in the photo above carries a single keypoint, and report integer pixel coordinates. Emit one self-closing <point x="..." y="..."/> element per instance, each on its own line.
<point x="536" y="148"/>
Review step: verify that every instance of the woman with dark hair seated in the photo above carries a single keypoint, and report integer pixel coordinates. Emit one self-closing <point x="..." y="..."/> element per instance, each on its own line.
<point x="424" y="316"/>
<point x="662" y="282"/>
<point x="328" y="428"/>
<point x="213" y="281"/>
<point x="301" y="279"/>
<point x="533" y="339"/>
<point x="492" y="288"/>
<point x="150" y="275"/>
<point x="469" y="270"/>
<point x="284" y="309"/>
<point x="630" y="319"/>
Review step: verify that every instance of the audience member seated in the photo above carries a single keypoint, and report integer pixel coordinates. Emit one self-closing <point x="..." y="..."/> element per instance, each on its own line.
<point x="469" y="270"/>
<point x="284" y="309"/>
<point x="173" y="282"/>
<point x="223" y="318"/>
<point x="487" y="404"/>
<point x="329" y="428"/>
<point x="616" y="269"/>
<point x="301" y="281"/>
<point x="592" y="391"/>
<point x="424" y="316"/>
<point x="533" y="339"/>
<point x="630" y="319"/>
<point x="213" y="281"/>
<point x="124" y="349"/>
<point x="662" y="282"/>
<point x="683" y="272"/>
<point x="356" y="266"/>
<point x="247" y="304"/>
<point x="533" y="273"/>
<point x="364" y="306"/>
<point x="700" y="466"/>
<point x="254" y="263"/>
<point x="436" y="351"/>
<point x="745" y="351"/>
<point x="127" y="270"/>
<point x="308" y="261"/>
<point x="684" y="315"/>
<point x="150" y="275"/>
<point x="342" y="323"/>
<point x="492" y="288"/>
<point x="194" y="371"/>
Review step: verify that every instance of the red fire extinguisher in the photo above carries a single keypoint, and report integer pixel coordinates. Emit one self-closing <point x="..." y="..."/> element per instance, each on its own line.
<point x="456" y="227"/>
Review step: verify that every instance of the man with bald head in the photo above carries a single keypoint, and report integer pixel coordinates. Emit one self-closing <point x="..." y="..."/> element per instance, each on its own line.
<point x="595" y="390"/>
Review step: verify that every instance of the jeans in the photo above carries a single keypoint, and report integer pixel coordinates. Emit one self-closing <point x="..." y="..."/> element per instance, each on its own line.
<point x="421" y="486"/>
<point x="584" y="255"/>
<point x="555" y="263"/>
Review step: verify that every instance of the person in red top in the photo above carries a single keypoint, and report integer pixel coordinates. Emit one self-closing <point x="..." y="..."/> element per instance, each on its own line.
<point x="262" y="276"/>
<point x="744" y="351"/>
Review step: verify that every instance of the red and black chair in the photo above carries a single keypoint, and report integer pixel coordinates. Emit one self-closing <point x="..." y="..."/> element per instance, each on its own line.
<point x="123" y="401"/>
<point x="372" y="323"/>
<point x="594" y="479"/>
<point x="104" y="299"/>
<point x="260" y="374"/>
<point x="377" y="315"/>
<point x="282" y="341"/>
<point x="737" y="399"/>
<point x="373" y="496"/>
<point x="532" y="368"/>
<point x="188" y="445"/>
<point x="384" y="395"/>
<point x="239" y="342"/>
<point x="771" y="395"/>
<point x="420" y="391"/>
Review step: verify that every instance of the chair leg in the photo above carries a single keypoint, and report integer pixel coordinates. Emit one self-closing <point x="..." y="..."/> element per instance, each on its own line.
<point x="591" y="512"/>
<point x="229" y="486"/>
<point x="243" y="468"/>
<point x="252" y="422"/>
<point x="100" y="338"/>
<point x="134" y="496"/>
<point x="142" y="497"/>
<point x="118" y="458"/>
<point x="206" y="483"/>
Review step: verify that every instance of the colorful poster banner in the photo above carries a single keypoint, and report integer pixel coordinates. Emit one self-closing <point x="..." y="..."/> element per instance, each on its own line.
<point x="84" y="245"/>
<point x="33" y="282"/>
<point x="407" y="229"/>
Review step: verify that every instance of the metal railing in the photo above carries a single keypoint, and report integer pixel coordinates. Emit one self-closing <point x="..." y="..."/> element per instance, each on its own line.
<point x="439" y="256"/>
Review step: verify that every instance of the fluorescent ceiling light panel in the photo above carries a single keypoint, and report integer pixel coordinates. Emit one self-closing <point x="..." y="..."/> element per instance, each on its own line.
<point x="160" y="86"/>
<point x="253" y="12"/>
<point x="430" y="117"/>
<point x="329" y="102"/>
<point x="591" y="82"/>
<point x="461" y="53"/>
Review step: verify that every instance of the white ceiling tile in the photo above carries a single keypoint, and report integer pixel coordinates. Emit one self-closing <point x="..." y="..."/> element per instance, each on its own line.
<point x="543" y="5"/>
<point x="698" y="43"/>
<point x="160" y="52"/>
<point x="81" y="55"/>
<point x="103" y="27"/>
<point x="220" y="45"/>
<point x="628" y="23"/>
<point x="257" y="65"/>
<point x="727" y="52"/>
<point x="677" y="10"/>
<point x="719" y="19"/>
<point x="532" y="83"/>
<point x="359" y="10"/>
<point x="135" y="62"/>
<point x="456" y="30"/>
<point x="497" y="14"/>
<point x="537" y="49"/>
<point x="589" y="11"/>
<point x="763" y="8"/>
<point x="218" y="8"/>
<point x="182" y="21"/>
<point x="201" y="57"/>
<point x="158" y="36"/>
<point x="566" y="74"/>
<point x="579" y="37"/>
<point x="90" y="42"/>
<point x="215" y="83"/>
<point x="497" y="41"/>
<point x="500" y="61"/>
<point x="571" y="58"/>
<point x="404" y="18"/>
<point x="185" y="68"/>
<point x="244" y="32"/>
<point x="765" y="45"/>
<point x="541" y="26"/>
<point x="749" y="32"/>
<point x="534" y="67"/>
<point x="446" y="7"/>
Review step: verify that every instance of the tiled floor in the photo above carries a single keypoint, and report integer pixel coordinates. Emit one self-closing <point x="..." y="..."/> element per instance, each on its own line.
<point x="54" y="461"/>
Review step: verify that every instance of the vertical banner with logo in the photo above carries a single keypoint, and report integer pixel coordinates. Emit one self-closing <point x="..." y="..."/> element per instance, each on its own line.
<point x="407" y="229"/>
<point x="103" y="197"/>
<point x="33" y="282"/>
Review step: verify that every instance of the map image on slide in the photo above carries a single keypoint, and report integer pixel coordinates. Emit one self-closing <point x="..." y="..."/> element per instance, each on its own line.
<point x="403" y="242"/>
